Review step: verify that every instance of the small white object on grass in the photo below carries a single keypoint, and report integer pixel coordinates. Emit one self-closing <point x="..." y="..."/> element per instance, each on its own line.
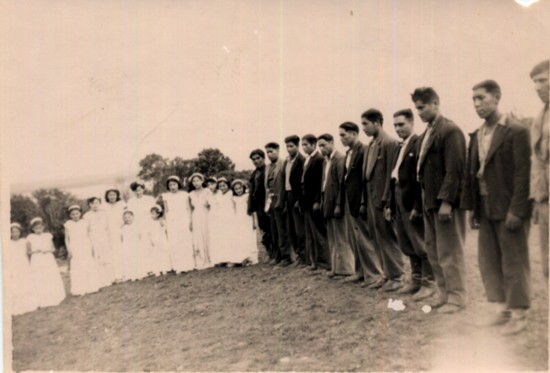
<point x="396" y="305"/>
<point x="426" y="308"/>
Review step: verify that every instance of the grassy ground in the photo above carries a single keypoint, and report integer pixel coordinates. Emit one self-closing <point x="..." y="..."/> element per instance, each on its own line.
<point x="262" y="318"/>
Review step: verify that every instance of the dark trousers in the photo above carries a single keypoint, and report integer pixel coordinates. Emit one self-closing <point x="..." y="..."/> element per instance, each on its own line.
<point x="504" y="262"/>
<point x="444" y="245"/>
<point x="281" y="246"/>
<point x="264" y="224"/>
<point x="367" y="263"/>
<point x="341" y="253"/>
<point x="385" y="242"/>
<point x="295" y="227"/>
<point x="316" y="239"/>
<point x="410" y="236"/>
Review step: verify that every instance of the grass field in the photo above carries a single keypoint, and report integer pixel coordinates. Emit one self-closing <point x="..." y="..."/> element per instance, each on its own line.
<point x="265" y="318"/>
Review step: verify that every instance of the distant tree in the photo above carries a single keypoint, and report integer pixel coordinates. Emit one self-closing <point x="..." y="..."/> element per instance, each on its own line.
<point x="152" y="167"/>
<point x="23" y="209"/>
<point x="177" y="166"/>
<point x="212" y="162"/>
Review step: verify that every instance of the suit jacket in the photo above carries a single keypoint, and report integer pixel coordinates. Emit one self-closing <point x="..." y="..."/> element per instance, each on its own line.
<point x="295" y="175"/>
<point x="411" y="192"/>
<point x="377" y="170"/>
<point x="256" y="194"/>
<point x="312" y="179"/>
<point x="506" y="173"/>
<point x="353" y="178"/>
<point x="278" y="189"/>
<point x="333" y="195"/>
<point x="441" y="170"/>
<point x="539" y="161"/>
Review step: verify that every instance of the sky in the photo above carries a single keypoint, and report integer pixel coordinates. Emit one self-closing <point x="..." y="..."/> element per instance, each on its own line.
<point x="91" y="87"/>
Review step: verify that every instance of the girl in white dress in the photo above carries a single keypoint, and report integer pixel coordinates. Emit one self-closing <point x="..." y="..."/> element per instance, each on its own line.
<point x="48" y="285"/>
<point x="23" y="299"/>
<point x="221" y="226"/>
<point x="200" y="199"/>
<point x="83" y="266"/>
<point x="212" y="184"/>
<point x="178" y="217"/>
<point x="245" y="237"/>
<point x="160" y="256"/>
<point x="131" y="268"/>
<point x="114" y="208"/>
<point x="99" y="236"/>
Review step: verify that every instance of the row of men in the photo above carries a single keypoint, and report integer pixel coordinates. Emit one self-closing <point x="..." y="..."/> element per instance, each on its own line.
<point x="357" y="214"/>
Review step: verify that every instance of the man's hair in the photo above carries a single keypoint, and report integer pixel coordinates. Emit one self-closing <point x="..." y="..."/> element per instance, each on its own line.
<point x="374" y="116"/>
<point x="349" y="127"/>
<point x="425" y="94"/>
<point x="540" y="68"/>
<point x="257" y="152"/>
<point x="272" y="145"/>
<point x="490" y="86"/>
<point x="310" y="139"/>
<point x="326" y="136"/>
<point x="293" y="139"/>
<point x="407" y="113"/>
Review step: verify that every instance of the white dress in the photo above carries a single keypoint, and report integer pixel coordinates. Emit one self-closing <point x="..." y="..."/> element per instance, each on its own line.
<point x="103" y="254"/>
<point x="83" y="267"/>
<point x="141" y="207"/>
<point x="23" y="298"/>
<point x="131" y="268"/>
<point x="180" y="240"/>
<point x="201" y="238"/>
<point x="244" y="239"/>
<point x="48" y="285"/>
<point x="221" y="225"/>
<point x="160" y="256"/>
<point x="114" y="213"/>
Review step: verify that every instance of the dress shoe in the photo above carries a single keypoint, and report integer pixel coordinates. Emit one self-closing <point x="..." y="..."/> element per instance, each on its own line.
<point x="284" y="263"/>
<point x="497" y="319"/>
<point x="514" y="326"/>
<point x="423" y="293"/>
<point x="331" y="274"/>
<point x="352" y="279"/>
<point x="449" y="308"/>
<point x="272" y="262"/>
<point x="438" y="301"/>
<point x="391" y="286"/>
<point x="368" y="282"/>
<point x="409" y="288"/>
<point x="312" y="268"/>
<point x="377" y="284"/>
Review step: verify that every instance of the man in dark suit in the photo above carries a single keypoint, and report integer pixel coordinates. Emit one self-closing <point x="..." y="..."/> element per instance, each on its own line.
<point x="377" y="168"/>
<point x="256" y="198"/>
<point x="341" y="255"/>
<point x="406" y="208"/>
<point x="497" y="189"/>
<point x="367" y="263"/>
<point x="292" y="183"/>
<point x="275" y="205"/>
<point x="316" y="231"/>
<point x="440" y="170"/>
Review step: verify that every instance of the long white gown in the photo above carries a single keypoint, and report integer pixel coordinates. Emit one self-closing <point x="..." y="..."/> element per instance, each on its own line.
<point x="83" y="267"/>
<point x="103" y="254"/>
<point x="221" y="225"/>
<point x="180" y="240"/>
<point x="130" y="245"/>
<point x="114" y="213"/>
<point x="199" y="200"/>
<point x="244" y="239"/>
<point x="23" y="298"/>
<point x="141" y="207"/>
<point x="160" y="255"/>
<point x="47" y="282"/>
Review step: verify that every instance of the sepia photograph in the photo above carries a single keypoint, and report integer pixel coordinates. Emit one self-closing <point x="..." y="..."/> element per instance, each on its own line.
<point x="275" y="185"/>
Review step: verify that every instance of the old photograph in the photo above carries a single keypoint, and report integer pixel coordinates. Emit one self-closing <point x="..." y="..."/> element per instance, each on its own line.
<point x="275" y="185"/>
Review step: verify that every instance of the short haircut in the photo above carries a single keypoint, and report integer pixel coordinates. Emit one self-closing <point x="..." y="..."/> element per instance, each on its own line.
<point x="407" y="113"/>
<point x="374" y="116"/>
<point x="293" y="139"/>
<point x="92" y="199"/>
<point x="349" y="127"/>
<point x="540" y="68"/>
<point x="272" y="145"/>
<point x="326" y="136"/>
<point x="310" y="139"/>
<point x="114" y="191"/>
<point x="257" y="152"/>
<point x="490" y="86"/>
<point x="425" y="94"/>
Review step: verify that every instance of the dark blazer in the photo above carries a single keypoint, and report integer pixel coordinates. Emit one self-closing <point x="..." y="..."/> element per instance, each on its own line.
<point x="256" y="194"/>
<point x="295" y="175"/>
<point x="353" y="178"/>
<point x="278" y="185"/>
<point x="506" y="172"/>
<point x="311" y="181"/>
<point x="333" y="195"/>
<point x="377" y="170"/>
<point x="411" y="191"/>
<point x="442" y="168"/>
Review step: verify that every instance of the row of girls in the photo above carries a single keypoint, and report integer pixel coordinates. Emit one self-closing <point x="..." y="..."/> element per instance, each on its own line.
<point x="117" y="241"/>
